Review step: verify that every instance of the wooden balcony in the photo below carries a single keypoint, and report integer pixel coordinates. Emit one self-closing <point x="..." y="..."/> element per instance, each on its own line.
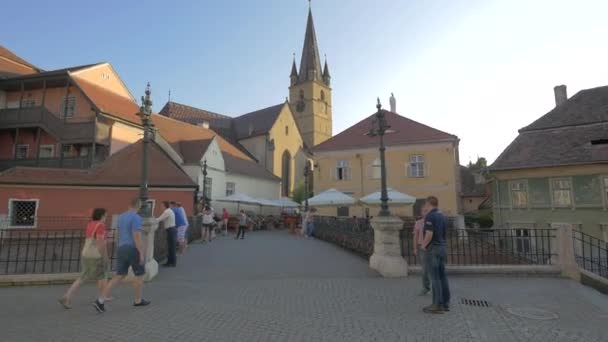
<point x="66" y="163"/>
<point x="64" y="131"/>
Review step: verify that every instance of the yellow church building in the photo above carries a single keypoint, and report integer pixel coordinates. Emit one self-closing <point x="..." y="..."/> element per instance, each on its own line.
<point x="279" y="137"/>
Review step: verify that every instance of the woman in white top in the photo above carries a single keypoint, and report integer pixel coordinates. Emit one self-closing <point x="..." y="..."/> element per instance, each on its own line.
<point x="208" y="222"/>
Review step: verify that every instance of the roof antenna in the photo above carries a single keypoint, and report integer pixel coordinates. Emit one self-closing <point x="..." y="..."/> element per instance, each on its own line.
<point x="169" y="96"/>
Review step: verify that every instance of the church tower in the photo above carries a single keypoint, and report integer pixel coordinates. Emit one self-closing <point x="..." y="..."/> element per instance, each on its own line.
<point x="310" y="92"/>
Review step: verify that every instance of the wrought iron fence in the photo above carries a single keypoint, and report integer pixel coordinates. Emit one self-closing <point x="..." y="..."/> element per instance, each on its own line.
<point x="45" y="251"/>
<point x="464" y="247"/>
<point x="354" y="234"/>
<point x="591" y="253"/>
<point x="491" y="247"/>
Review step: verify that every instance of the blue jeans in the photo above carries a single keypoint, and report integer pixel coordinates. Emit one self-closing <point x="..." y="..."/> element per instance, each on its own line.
<point x="171" y="245"/>
<point x="426" y="281"/>
<point x="436" y="257"/>
<point x="309" y="229"/>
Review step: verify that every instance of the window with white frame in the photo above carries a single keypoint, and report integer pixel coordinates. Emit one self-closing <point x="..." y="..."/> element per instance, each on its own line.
<point x="519" y="194"/>
<point x="561" y="192"/>
<point x="230" y="188"/>
<point x="47" y="151"/>
<point x="375" y="171"/>
<point x="22" y="151"/>
<point x="28" y="103"/>
<point x="522" y="241"/>
<point x="416" y="166"/>
<point x="22" y="213"/>
<point x="68" y="108"/>
<point x="342" y="170"/>
<point x="208" y="186"/>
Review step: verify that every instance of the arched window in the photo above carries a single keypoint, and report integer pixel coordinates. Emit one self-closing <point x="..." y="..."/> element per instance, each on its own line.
<point x="286" y="173"/>
<point x="374" y="171"/>
<point x="301" y="94"/>
<point x="286" y="130"/>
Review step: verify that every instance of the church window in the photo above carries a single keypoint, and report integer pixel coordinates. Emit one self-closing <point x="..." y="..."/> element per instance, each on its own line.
<point x="286" y="130"/>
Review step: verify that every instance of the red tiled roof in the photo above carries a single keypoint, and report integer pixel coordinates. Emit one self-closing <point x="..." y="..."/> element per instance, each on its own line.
<point x="121" y="169"/>
<point x="4" y="52"/>
<point x="405" y="131"/>
<point x="109" y="102"/>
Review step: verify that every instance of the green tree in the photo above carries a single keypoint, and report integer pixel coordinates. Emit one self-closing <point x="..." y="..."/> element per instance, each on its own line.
<point x="299" y="192"/>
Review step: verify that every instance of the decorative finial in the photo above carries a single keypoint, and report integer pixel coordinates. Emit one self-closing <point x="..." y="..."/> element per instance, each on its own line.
<point x="378" y="105"/>
<point x="169" y="96"/>
<point x="309" y="4"/>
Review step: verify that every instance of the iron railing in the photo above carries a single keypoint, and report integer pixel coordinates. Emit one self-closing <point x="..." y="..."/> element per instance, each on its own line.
<point x="464" y="247"/>
<point x="491" y="247"/>
<point x="45" y="251"/>
<point x="591" y="253"/>
<point x="354" y="234"/>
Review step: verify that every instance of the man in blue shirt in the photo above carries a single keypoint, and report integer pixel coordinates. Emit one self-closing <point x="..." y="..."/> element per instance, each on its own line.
<point x="130" y="253"/>
<point x="436" y="256"/>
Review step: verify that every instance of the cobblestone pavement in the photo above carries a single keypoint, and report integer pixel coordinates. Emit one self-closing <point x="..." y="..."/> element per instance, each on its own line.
<point x="274" y="287"/>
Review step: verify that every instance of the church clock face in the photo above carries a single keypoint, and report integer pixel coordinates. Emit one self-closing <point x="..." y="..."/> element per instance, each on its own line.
<point x="300" y="106"/>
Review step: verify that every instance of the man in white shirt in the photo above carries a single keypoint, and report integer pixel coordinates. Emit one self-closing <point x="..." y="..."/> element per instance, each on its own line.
<point x="168" y="220"/>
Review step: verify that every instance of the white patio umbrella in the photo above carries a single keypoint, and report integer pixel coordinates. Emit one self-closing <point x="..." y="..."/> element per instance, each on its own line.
<point x="239" y="199"/>
<point x="394" y="197"/>
<point x="331" y="197"/>
<point x="286" y="202"/>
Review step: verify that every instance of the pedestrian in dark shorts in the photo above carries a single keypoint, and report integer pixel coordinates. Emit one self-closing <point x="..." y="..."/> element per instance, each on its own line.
<point x="130" y="254"/>
<point x="243" y="220"/>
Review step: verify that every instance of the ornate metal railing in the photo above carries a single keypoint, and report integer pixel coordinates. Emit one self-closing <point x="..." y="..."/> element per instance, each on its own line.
<point x="491" y="247"/>
<point x="351" y="233"/>
<point x="591" y="253"/>
<point x="40" y="116"/>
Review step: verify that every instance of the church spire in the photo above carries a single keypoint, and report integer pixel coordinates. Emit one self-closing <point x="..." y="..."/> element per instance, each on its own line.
<point x="294" y="71"/>
<point x="310" y="64"/>
<point x="326" y="76"/>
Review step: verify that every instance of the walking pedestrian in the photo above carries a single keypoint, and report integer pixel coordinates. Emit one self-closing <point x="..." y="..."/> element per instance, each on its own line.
<point x="310" y="222"/>
<point x="434" y="245"/>
<point x="208" y="222"/>
<point x="131" y="254"/>
<point x="94" y="260"/>
<point x="182" y="230"/>
<point x="168" y="220"/>
<point x="420" y="253"/>
<point x="225" y="217"/>
<point x="181" y="224"/>
<point x="243" y="221"/>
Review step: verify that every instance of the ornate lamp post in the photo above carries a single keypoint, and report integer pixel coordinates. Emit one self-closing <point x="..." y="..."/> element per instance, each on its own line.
<point x="379" y="128"/>
<point x="145" y="112"/>
<point x="205" y="199"/>
<point x="306" y="175"/>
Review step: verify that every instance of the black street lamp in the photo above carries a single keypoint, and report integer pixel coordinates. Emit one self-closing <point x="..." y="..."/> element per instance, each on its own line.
<point x="205" y="199"/>
<point x="379" y="128"/>
<point x="145" y="112"/>
<point x="306" y="175"/>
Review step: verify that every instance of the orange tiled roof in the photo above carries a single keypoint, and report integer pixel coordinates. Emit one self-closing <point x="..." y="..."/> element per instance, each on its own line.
<point x="406" y="131"/>
<point x="4" y="52"/>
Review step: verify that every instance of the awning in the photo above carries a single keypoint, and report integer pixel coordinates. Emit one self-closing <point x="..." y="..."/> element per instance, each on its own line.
<point x="331" y="197"/>
<point x="394" y="197"/>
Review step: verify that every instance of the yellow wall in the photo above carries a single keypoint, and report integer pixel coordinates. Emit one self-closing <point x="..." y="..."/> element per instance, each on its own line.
<point x="104" y="76"/>
<point x="315" y="121"/>
<point x="123" y="135"/>
<point x="291" y="142"/>
<point x="441" y="178"/>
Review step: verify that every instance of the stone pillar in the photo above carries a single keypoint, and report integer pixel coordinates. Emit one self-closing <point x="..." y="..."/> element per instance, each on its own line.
<point x="149" y="227"/>
<point x="387" y="259"/>
<point x="565" y="251"/>
<point x="460" y="227"/>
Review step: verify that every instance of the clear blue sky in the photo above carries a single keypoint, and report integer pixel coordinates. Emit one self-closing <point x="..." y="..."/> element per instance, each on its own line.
<point x="477" y="69"/>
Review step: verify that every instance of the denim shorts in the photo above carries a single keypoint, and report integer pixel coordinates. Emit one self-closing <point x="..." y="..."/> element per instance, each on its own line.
<point x="128" y="256"/>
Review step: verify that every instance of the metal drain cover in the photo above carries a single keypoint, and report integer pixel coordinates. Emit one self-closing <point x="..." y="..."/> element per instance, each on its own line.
<point x="533" y="313"/>
<point x="475" y="302"/>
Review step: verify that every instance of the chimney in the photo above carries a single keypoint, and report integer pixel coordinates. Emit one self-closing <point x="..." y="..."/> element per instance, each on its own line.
<point x="561" y="95"/>
<point x="393" y="103"/>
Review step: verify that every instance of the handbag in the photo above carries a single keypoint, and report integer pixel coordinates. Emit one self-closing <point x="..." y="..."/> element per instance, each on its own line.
<point x="90" y="250"/>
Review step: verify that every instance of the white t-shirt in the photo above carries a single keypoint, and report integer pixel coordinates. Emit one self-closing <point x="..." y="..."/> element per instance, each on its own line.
<point x="208" y="216"/>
